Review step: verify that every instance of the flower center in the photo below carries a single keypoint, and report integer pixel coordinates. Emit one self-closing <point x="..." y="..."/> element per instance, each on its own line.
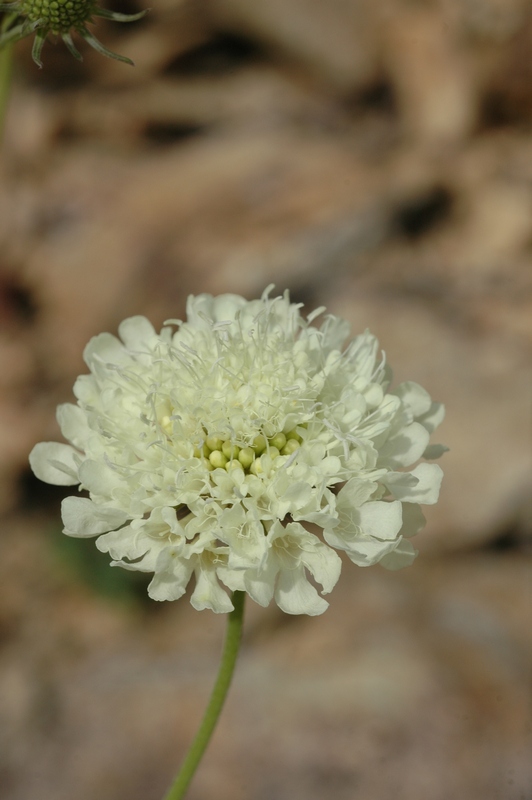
<point x="224" y="454"/>
<point x="58" y="15"/>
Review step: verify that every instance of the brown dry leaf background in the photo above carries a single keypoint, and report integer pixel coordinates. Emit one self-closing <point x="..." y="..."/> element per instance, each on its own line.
<point x="373" y="156"/>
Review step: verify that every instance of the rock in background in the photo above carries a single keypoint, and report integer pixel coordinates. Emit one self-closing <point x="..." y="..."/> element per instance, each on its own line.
<point x="374" y="156"/>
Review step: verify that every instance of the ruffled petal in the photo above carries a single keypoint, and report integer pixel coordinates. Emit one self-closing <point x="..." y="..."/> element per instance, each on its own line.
<point x="98" y="478"/>
<point x="403" y="556"/>
<point x="172" y="574"/>
<point x="380" y="519"/>
<point x="355" y="493"/>
<point x="427" y="488"/>
<point x="413" y="520"/>
<point x="405" y="447"/>
<point x="82" y="517"/>
<point x="244" y="535"/>
<point x="434" y="417"/>
<point x="73" y="423"/>
<point x="203" y="309"/>
<point x="130" y="544"/>
<point x="295" y="595"/>
<point x="260" y="583"/>
<point x="335" y="332"/>
<point x="323" y="563"/>
<point x="86" y="389"/>
<point x="104" y="349"/>
<point x="361" y="354"/>
<point x="232" y="578"/>
<point x="136" y="332"/>
<point x="55" y="463"/>
<point x="414" y="397"/>
<point x="365" y="552"/>
<point x="208" y="592"/>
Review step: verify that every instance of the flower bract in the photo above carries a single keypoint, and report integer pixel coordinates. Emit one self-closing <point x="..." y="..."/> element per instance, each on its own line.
<point x="244" y="447"/>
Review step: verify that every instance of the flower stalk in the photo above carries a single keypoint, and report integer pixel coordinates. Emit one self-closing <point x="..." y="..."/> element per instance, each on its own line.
<point x="216" y="702"/>
<point x="6" y="67"/>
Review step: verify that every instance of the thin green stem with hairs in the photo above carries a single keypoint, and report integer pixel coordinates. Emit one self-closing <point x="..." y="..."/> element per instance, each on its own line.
<point x="217" y="699"/>
<point x="6" y="68"/>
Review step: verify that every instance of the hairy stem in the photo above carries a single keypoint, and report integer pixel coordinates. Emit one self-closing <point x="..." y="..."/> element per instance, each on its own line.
<point x="217" y="699"/>
<point x="6" y="67"/>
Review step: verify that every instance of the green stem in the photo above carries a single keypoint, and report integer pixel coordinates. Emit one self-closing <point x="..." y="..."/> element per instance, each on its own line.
<point x="217" y="699"/>
<point x="6" y="65"/>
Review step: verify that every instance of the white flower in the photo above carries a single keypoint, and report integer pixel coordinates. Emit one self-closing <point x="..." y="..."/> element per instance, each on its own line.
<point x="209" y="448"/>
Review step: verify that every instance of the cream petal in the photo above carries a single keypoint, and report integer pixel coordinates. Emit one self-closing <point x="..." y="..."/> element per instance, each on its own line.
<point x="98" y="478"/>
<point x="172" y="574"/>
<point x="335" y="332"/>
<point x="55" y="463"/>
<point x="82" y="517"/>
<point x="260" y="583"/>
<point x="380" y="519"/>
<point x="73" y="423"/>
<point x="321" y="519"/>
<point x="232" y="578"/>
<point x="208" y="592"/>
<point x="399" y="482"/>
<point x="355" y="493"/>
<point x="293" y="499"/>
<point x="104" y="349"/>
<point x="136" y="566"/>
<point x="404" y="447"/>
<point x="136" y="332"/>
<point x="203" y="310"/>
<point x="362" y="354"/>
<point x="227" y="306"/>
<point x="127" y="543"/>
<point x="413" y="520"/>
<point x="297" y="495"/>
<point x="365" y="552"/>
<point x="416" y="399"/>
<point x="324" y="565"/>
<point x="427" y="489"/>
<point x="380" y="420"/>
<point x="295" y="595"/>
<point x="434" y="417"/>
<point x="403" y="556"/>
<point x="143" y="563"/>
<point x="86" y="389"/>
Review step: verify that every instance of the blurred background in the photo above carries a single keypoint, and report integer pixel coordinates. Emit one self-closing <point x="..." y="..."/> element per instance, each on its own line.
<point x="373" y="156"/>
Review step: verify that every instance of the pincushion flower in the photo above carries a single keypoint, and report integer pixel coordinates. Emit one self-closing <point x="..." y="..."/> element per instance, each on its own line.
<point x="244" y="447"/>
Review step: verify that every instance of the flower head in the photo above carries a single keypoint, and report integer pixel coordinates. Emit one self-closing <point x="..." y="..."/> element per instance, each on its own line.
<point x="59" y="18"/>
<point x="210" y="449"/>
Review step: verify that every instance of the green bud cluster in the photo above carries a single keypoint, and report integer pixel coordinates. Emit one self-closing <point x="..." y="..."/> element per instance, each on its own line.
<point x="217" y="453"/>
<point x="59" y="16"/>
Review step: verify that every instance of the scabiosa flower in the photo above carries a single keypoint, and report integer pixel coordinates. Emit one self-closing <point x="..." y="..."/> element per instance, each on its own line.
<point x="59" y="18"/>
<point x="219" y="446"/>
